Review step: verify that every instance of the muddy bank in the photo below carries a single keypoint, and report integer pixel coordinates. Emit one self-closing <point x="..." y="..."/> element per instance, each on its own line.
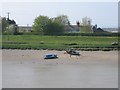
<point x="28" y="69"/>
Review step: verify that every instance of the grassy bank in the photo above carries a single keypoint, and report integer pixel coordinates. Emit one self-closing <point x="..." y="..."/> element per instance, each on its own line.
<point x="58" y="42"/>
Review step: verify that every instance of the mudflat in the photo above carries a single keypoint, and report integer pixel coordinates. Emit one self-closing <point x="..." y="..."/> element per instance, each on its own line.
<point x="29" y="69"/>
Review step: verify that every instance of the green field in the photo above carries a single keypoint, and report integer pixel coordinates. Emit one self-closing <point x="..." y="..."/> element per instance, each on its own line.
<point x="58" y="42"/>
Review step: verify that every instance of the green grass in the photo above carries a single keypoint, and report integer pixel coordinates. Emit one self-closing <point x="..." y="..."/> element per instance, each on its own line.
<point x="57" y="42"/>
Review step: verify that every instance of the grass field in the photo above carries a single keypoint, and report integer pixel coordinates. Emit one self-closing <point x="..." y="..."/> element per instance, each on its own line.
<point x="58" y="42"/>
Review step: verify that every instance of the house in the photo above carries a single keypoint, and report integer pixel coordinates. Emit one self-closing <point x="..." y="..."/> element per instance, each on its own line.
<point x="72" y="29"/>
<point x="25" y="29"/>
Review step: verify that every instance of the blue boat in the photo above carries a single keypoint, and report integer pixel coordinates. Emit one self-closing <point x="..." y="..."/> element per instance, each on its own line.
<point x="50" y="56"/>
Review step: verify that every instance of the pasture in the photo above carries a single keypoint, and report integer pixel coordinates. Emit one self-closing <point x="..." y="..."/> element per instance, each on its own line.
<point x="58" y="42"/>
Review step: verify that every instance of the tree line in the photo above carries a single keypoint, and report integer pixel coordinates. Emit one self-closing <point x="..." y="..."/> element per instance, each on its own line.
<point x="8" y="26"/>
<point x="50" y="26"/>
<point x="44" y="25"/>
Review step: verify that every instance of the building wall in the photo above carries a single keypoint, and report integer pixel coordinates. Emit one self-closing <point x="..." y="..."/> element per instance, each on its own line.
<point x="25" y="28"/>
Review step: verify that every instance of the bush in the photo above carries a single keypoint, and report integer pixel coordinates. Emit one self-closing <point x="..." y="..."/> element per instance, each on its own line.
<point x="92" y="34"/>
<point x="71" y="44"/>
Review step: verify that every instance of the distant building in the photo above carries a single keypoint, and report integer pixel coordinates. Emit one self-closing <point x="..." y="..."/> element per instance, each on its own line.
<point x="25" y="29"/>
<point x="69" y="29"/>
<point x="72" y="29"/>
<point x="113" y="30"/>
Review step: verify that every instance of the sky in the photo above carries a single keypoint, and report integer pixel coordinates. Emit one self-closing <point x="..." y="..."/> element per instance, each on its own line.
<point x="104" y="14"/>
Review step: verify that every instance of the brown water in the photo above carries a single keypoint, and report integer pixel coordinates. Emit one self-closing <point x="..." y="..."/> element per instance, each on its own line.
<point x="85" y="74"/>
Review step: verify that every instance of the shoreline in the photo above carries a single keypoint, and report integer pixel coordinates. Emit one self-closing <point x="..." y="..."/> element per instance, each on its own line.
<point x="17" y="54"/>
<point x="82" y="49"/>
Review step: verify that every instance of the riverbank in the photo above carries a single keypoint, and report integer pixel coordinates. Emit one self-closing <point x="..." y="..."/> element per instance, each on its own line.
<point x="36" y="42"/>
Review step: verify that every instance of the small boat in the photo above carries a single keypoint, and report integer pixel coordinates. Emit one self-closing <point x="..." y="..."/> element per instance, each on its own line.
<point x="50" y="56"/>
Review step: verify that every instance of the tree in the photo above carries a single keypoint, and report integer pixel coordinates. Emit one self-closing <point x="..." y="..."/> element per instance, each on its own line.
<point x="8" y="26"/>
<point x="0" y="25"/>
<point x="13" y="29"/>
<point x="86" y="21"/>
<point x="62" y="19"/>
<point x="4" y="24"/>
<point x="86" y="25"/>
<point x="40" y="23"/>
<point x="52" y="26"/>
<point x="63" y="22"/>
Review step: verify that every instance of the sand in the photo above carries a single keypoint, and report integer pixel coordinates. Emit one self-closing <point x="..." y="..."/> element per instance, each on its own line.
<point x="28" y="69"/>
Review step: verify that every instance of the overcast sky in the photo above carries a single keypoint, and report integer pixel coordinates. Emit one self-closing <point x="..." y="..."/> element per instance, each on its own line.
<point x="105" y="14"/>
